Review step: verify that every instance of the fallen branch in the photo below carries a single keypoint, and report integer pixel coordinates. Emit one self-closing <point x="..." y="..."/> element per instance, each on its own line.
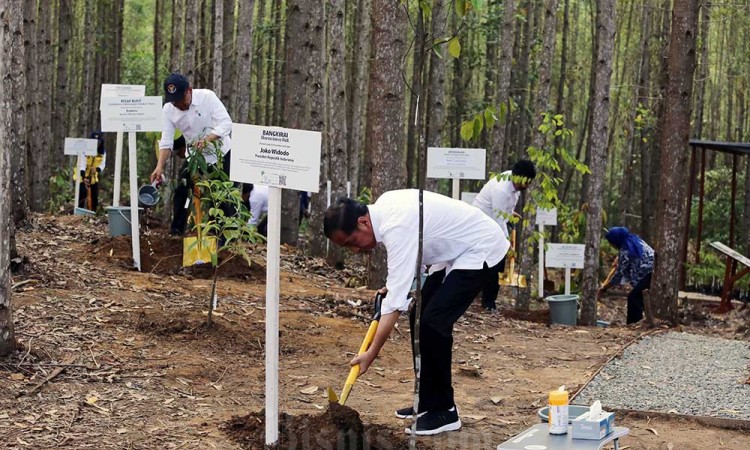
<point x="68" y="360"/>
<point x="22" y="283"/>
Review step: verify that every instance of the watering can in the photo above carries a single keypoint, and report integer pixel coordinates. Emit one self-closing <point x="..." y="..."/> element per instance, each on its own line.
<point x="148" y="195"/>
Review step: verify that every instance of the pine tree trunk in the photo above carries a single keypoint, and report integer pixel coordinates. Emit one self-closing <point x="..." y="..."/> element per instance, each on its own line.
<point x="189" y="60"/>
<point x="605" y="41"/>
<point x="670" y="211"/>
<point x="436" y="95"/>
<point x="15" y="88"/>
<point x="385" y="133"/>
<point x="262" y="50"/>
<point x="60" y="105"/>
<point x="416" y="84"/>
<point x="178" y="36"/>
<point x="279" y="81"/>
<point x="244" y="61"/>
<point x="358" y="78"/>
<point x="228" y="53"/>
<point x="10" y="15"/>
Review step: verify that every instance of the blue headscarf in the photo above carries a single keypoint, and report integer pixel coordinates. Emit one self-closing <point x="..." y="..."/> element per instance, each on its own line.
<point x="622" y="238"/>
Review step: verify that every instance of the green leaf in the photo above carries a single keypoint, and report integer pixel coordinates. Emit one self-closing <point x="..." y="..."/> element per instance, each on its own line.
<point x="490" y="117"/>
<point x="461" y="8"/>
<point x="454" y="47"/>
<point x="467" y="130"/>
<point x="478" y="125"/>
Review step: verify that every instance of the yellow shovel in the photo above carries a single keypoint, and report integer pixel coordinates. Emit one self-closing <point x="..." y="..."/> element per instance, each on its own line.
<point x="354" y="372"/>
<point x="509" y="276"/>
<point x="199" y="249"/>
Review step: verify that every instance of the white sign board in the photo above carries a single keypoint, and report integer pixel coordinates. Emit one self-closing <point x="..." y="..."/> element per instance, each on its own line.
<point x="567" y="256"/>
<point x="276" y="157"/>
<point x="546" y="216"/>
<point x="122" y="90"/>
<point x="469" y="197"/>
<point x="457" y="163"/>
<point x="82" y="147"/>
<point x="131" y="114"/>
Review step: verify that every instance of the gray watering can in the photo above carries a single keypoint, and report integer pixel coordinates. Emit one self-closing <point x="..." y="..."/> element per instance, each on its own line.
<point x="148" y="195"/>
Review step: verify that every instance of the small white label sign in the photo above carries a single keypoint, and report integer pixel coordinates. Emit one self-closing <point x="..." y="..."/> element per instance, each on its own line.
<point x="274" y="156"/>
<point x="546" y="216"/>
<point x="462" y="163"/>
<point x="565" y="256"/>
<point x="469" y="197"/>
<point x="83" y="147"/>
<point x="131" y="114"/>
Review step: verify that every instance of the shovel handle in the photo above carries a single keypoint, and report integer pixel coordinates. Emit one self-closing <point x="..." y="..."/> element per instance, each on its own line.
<point x="354" y="372"/>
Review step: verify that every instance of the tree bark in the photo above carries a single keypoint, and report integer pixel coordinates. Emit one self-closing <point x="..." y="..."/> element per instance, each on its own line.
<point x="357" y="101"/>
<point x="15" y="88"/>
<point x="189" y="60"/>
<point x="605" y="41"/>
<point x="60" y="105"/>
<point x="412" y="178"/>
<point x="244" y="61"/>
<point x="280" y="69"/>
<point x="218" y="56"/>
<point x="436" y="102"/>
<point x="385" y="111"/>
<point x="10" y="20"/>
<point x="228" y="54"/>
<point x="257" y="106"/>
<point x="178" y="34"/>
<point x="670" y="211"/>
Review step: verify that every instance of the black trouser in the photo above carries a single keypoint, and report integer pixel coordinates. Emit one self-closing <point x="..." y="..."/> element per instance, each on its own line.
<point x="635" y="300"/>
<point x="182" y="193"/>
<point x="83" y="199"/>
<point x="490" y="290"/>
<point x="444" y="301"/>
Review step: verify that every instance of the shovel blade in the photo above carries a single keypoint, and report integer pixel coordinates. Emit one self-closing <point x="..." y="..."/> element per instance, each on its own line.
<point x="332" y="397"/>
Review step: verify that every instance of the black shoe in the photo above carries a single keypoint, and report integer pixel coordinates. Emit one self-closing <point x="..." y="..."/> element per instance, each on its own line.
<point x="490" y="309"/>
<point x="176" y="232"/>
<point x="436" y="422"/>
<point x="407" y="413"/>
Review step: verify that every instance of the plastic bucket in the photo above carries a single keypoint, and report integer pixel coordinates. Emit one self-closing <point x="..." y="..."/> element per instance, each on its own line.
<point x="119" y="220"/>
<point x="148" y="195"/>
<point x="563" y="309"/>
<point x="83" y="212"/>
<point x="573" y="412"/>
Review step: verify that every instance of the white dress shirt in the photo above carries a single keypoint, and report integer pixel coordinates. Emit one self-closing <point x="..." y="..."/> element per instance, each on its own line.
<point x="258" y="203"/>
<point x="498" y="199"/>
<point x="455" y="233"/>
<point x="206" y="115"/>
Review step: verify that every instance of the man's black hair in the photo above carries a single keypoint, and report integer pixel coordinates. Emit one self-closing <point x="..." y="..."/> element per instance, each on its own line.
<point x="524" y="168"/>
<point x="342" y="216"/>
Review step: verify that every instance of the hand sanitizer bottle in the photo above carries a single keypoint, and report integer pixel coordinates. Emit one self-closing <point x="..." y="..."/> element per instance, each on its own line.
<point x="558" y="411"/>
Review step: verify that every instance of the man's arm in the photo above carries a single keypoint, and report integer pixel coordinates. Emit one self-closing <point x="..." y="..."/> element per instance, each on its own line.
<point x="165" y="144"/>
<point x="159" y="171"/>
<point x="385" y="327"/>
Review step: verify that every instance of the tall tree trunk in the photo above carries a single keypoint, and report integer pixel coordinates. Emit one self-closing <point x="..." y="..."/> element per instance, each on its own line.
<point x="538" y="138"/>
<point x="178" y="36"/>
<point x="502" y="97"/>
<point x="563" y="67"/>
<point x="15" y="88"/>
<point x="218" y="57"/>
<point x="244" y="60"/>
<point x="670" y="211"/>
<point x="189" y="59"/>
<point x="158" y="24"/>
<point x="437" y="99"/>
<point x="605" y="41"/>
<point x="10" y="21"/>
<point x="279" y="63"/>
<point x="358" y="70"/>
<point x="412" y="177"/>
<point x="385" y="111"/>
<point x="60" y="104"/>
<point x="228" y="54"/>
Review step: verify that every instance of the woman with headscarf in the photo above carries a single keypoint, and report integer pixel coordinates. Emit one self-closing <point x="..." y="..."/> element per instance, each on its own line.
<point x="635" y="264"/>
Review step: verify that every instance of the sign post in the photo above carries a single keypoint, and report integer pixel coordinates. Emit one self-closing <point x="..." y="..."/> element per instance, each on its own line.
<point x="457" y="164"/>
<point x="124" y="91"/>
<point x="132" y="114"/>
<point x="80" y="148"/>
<point x="543" y="217"/>
<point x="280" y="158"/>
<point x="566" y="256"/>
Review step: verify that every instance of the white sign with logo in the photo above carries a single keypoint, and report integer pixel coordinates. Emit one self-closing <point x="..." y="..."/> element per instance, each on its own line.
<point x="80" y="147"/>
<point x="566" y="256"/>
<point x="459" y="163"/>
<point x="122" y="90"/>
<point x="469" y="197"/>
<point x="277" y="157"/>
<point x="131" y="114"/>
<point x="546" y="216"/>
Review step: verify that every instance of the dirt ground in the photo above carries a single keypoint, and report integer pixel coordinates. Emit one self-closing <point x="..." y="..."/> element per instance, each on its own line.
<point x="131" y="364"/>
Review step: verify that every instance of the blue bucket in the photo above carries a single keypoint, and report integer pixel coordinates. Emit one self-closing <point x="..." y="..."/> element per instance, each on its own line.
<point x="119" y="220"/>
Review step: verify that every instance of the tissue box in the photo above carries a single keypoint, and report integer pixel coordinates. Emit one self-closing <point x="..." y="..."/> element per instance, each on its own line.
<point x="585" y="427"/>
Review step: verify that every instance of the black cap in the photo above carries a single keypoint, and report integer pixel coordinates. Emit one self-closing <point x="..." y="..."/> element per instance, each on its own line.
<point x="175" y="86"/>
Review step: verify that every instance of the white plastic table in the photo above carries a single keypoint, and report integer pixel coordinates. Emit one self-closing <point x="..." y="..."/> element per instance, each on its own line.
<point x="538" y="438"/>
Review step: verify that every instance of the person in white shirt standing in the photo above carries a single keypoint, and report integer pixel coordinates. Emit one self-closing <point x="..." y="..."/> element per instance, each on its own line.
<point x="202" y="118"/>
<point x="456" y="235"/>
<point x="498" y="199"/>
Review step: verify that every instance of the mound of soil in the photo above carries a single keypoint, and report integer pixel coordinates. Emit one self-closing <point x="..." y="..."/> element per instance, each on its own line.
<point x="162" y="254"/>
<point x="337" y="427"/>
<point x="532" y="315"/>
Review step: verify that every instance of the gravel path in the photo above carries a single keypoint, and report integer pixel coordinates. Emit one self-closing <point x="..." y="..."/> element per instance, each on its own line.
<point x="676" y="372"/>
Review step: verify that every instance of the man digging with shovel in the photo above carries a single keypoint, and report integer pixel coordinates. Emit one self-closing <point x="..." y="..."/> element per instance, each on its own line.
<point x="469" y="244"/>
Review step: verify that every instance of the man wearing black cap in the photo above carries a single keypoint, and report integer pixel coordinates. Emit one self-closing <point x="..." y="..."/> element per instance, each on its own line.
<point x="201" y="117"/>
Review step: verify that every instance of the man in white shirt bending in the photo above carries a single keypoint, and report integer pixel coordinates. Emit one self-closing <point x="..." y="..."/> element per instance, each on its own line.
<point x="255" y="197"/>
<point x="498" y="199"/>
<point x="467" y="242"/>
